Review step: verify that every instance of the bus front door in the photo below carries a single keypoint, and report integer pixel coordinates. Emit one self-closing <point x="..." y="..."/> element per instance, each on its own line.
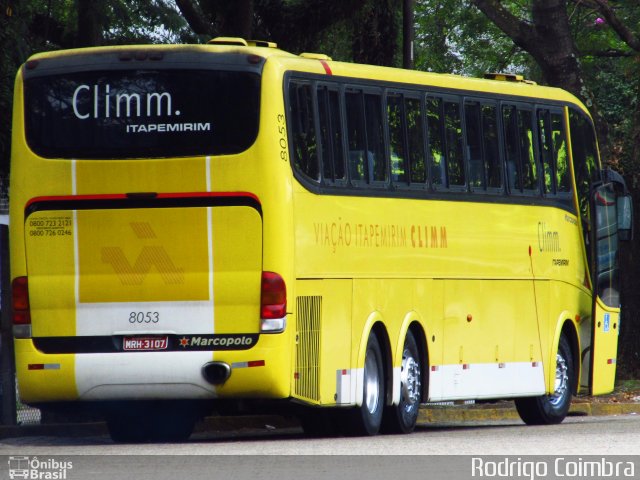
<point x="611" y="221"/>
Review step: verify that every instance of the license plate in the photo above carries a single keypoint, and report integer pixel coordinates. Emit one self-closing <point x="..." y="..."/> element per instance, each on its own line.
<point x="145" y="343"/>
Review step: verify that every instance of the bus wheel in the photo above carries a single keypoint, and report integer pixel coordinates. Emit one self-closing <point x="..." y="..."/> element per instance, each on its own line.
<point x="367" y="418"/>
<point x="402" y="418"/>
<point x="553" y="408"/>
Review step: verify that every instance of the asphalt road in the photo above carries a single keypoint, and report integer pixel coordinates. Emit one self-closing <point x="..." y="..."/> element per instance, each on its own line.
<point x="286" y="453"/>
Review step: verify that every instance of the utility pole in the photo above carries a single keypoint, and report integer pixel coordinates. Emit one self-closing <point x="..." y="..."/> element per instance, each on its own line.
<point x="407" y="33"/>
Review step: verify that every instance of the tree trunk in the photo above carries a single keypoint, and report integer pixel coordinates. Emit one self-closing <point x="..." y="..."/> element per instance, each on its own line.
<point x="90" y="23"/>
<point x="547" y="38"/>
<point x="407" y="33"/>
<point x="237" y="20"/>
<point x="375" y="32"/>
<point x="195" y="17"/>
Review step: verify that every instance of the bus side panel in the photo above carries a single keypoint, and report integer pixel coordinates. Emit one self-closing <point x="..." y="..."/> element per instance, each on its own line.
<point x="323" y="370"/>
<point x="492" y="345"/>
<point x="51" y="267"/>
<point x="567" y="303"/>
<point x="55" y="372"/>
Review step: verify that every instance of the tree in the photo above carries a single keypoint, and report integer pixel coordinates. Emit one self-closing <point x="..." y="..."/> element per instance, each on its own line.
<point x="29" y="26"/>
<point x="625" y="46"/>
<point x="574" y="42"/>
<point x="304" y="25"/>
<point x="92" y="20"/>
<point x="543" y="30"/>
<point x="454" y="37"/>
<point x="13" y="50"/>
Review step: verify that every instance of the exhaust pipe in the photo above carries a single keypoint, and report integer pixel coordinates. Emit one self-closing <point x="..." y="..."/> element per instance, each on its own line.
<point x="216" y="373"/>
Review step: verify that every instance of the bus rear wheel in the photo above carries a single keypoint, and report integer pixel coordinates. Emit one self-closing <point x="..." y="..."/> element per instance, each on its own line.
<point x="367" y="418"/>
<point x="553" y="408"/>
<point x="402" y="418"/>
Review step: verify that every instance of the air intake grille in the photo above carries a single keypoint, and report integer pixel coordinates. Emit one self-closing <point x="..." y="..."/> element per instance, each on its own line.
<point x="308" y="313"/>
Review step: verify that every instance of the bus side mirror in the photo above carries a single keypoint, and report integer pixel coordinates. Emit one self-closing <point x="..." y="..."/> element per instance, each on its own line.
<point x="625" y="218"/>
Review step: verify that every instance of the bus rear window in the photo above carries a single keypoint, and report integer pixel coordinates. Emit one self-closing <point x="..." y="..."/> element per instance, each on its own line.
<point x="141" y="113"/>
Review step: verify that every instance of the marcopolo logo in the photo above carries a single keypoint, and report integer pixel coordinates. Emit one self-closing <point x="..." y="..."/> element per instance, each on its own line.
<point x="38" y="469"/>
<point x="218" y="342"/>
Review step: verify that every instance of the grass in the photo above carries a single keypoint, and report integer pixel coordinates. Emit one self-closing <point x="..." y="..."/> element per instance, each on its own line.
<point x="628" y="386"/>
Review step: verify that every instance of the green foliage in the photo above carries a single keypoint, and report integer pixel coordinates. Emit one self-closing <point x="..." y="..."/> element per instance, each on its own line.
<point x="14" y="49"/>
<point x="612" y="73"/>
<point x="454" y="37"/>
<point x="150" y="21"/>
<point x="29" y="26"/>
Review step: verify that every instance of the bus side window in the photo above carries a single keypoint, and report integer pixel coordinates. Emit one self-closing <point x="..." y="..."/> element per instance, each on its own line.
<point x="397" y="155"/>
<point x="418" y="167"/>
<point x="527" y="153"/>
<point x="492" y="161"/>
<point x="483" y="151"/>
<point x="358" y="170"/>
<point x="453" y="136"/>
<point x="474" y="145"/>
<point x="406" y="142"/>
<point x="546" y="150"/>
<point x="331" y="135"/>
<point x="375" y="137"/>
<point x="305" y="147"/>
<point x="435" y="128"/>
<point x="560" y="157"/>
<point x="585" y="158"/>
<point x="512" y="149"/>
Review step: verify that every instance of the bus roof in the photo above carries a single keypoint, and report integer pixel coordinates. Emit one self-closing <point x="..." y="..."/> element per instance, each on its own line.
<point x="503" y="84"/>
<point x="499" y="85"/>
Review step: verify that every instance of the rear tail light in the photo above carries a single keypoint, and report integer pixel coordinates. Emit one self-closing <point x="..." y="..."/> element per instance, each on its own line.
<point x="273" y="303"/>
<point x="20" y="304"/>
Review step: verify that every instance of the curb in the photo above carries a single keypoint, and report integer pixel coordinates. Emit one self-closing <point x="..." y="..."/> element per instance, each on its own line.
<point x="507" y="411"/>
<point x="429" y="414"/>
<point x="601" y="409"/>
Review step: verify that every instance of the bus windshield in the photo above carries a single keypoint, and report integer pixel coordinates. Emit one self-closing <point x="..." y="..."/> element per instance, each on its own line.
<point x="141" y="113"/>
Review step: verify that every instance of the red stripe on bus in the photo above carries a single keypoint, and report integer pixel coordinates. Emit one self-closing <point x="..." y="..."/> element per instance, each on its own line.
<point x="326" y="66"/>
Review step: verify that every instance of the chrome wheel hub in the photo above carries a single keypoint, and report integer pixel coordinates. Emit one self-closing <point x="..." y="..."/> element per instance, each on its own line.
<point x="561" y="382"/>
<point x="410" y="380"/>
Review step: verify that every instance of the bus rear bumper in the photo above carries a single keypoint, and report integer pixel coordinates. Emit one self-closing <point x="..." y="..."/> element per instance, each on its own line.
<point x="260" y="372"/>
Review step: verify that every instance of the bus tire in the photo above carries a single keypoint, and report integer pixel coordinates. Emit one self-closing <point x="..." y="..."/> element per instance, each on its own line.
<point x="367" y="418"/>
<point x="402" y="418"/>
<point x="553" y="408"/>
<point x="128" y="423"/>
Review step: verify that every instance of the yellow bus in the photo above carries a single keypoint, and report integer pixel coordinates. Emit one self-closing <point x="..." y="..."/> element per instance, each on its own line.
<point x="233" y="228"/>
